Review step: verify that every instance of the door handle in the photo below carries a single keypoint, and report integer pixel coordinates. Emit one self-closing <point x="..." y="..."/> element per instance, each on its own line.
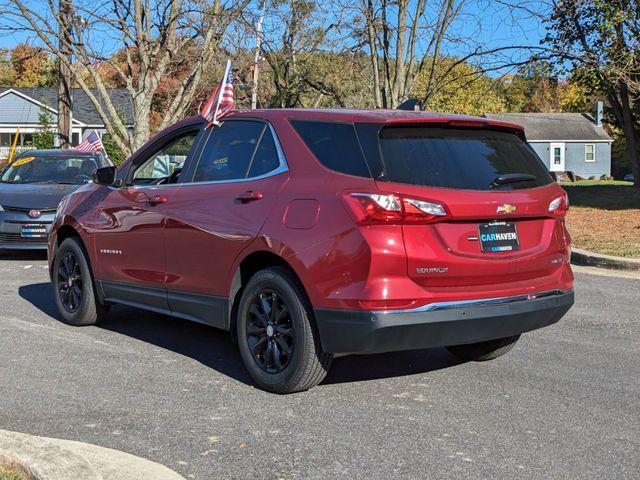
<point x="157" y="200"/>
<point x="249" y="196"/>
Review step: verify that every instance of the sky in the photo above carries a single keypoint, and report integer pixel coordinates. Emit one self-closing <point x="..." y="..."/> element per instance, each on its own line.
<point x="486" y="24"/>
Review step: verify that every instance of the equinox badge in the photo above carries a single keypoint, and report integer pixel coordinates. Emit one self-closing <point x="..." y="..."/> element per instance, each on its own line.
<point x="506" y="208"/>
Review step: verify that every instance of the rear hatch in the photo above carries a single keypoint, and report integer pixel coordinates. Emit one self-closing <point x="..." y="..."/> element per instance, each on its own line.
<point x="502" y="215"/>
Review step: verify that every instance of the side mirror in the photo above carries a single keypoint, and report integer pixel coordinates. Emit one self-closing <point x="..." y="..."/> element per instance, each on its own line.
<point x="104" y="175"/>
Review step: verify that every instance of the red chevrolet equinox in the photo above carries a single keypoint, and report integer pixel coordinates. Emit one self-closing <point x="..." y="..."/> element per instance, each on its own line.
<point x="311" y="233"/>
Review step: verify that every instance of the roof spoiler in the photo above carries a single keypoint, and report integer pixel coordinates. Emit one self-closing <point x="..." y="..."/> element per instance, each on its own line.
<point x="462" y="122"/>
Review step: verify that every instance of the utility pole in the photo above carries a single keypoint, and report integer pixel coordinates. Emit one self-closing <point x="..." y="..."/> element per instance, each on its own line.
<point x="256" y="60"/>
<point x="65" y="102"/>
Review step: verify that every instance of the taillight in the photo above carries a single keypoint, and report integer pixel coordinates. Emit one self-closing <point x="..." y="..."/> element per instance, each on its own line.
<point x="420" y="210"/>
<point x="376" y="208"/>
<point x="560" y="205"/>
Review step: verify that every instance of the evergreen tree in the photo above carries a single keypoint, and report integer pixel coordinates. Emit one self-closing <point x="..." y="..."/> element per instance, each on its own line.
<point x="45" y="137"/>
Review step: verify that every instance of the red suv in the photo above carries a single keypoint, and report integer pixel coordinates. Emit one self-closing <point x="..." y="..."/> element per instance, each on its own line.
<point x="310" y="233"/>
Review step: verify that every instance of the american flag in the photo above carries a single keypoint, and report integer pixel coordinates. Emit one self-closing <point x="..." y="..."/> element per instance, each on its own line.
<point x="221" y="101"/>
<point x="91" y="144"/>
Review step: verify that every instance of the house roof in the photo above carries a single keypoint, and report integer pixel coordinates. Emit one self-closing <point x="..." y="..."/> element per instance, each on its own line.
<point x="555" y="126"/>
<point x="83" y="109"/>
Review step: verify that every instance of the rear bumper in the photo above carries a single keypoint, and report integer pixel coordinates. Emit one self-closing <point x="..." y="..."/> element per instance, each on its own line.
<point x="438" y="325"/>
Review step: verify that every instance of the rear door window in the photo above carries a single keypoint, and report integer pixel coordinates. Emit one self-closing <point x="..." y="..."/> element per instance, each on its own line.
<point x="458" y="158"/>
<point x="335" y="145"/>
<point x="266" y="158"/>
<point x="228" y="152"/>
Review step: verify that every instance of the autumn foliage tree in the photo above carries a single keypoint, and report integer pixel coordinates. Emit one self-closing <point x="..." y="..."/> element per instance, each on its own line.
<point x="152" y="36"/>
<point x="27" y="66"/>
<point x="600" y="40"/>
<point x="459" y="87"/>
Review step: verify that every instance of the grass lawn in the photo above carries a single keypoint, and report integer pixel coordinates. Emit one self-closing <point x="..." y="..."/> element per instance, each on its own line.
<point x="604" y="217"/>
<point x="8" y="473"/>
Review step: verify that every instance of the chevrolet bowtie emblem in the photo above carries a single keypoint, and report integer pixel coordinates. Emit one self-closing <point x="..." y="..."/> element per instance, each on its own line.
<point x="506" y="208"/>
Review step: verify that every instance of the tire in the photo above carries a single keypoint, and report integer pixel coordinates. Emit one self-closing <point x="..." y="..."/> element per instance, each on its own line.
<point x="76" y="300"/>
<point x="483" y="351"/>
<point x="274" y="313"/>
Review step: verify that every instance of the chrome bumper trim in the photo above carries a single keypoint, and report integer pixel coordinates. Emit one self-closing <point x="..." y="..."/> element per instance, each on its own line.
<point x="480" y="302"/>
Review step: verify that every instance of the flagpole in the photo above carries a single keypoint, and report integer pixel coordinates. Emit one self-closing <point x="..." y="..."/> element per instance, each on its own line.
<point x="102" y="144"/>
<point x="222" y="87"/>
<point x="13" y="147"/>
<point x="256" y="60"/>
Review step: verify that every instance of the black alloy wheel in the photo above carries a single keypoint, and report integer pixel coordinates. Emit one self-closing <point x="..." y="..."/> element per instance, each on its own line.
<point x="70" y="283"/>
<point x="270" y="332"/>
<point x="276" y="334"/>
<point x="73" y="287"/>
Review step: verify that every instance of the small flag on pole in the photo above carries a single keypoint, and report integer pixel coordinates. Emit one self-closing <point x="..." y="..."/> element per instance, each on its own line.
<point x="221" y="101"/>
<point x="91" y="144"/>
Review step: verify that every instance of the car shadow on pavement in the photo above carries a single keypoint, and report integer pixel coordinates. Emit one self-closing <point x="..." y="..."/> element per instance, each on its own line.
<point x="23" y="255"/>
<point x="40" y="296"/>
<point x="355" y="368"/>
<point x="214" y="348"/>
<point x="209" y="346"/>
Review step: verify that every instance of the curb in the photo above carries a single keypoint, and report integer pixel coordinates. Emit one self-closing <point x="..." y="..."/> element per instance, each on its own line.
<point x="591" y="259"/>
<point x="41" y="458"/>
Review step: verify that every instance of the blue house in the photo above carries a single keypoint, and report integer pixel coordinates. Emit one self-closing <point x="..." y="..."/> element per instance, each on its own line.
<point x="20" y="108"/>
<point x="566" y="142"/>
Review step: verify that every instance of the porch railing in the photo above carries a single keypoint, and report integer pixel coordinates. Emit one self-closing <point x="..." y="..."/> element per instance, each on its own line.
<point x="4" y="152"/>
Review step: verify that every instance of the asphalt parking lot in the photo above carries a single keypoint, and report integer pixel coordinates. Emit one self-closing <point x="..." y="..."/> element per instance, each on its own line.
<point x="563" y="404"/>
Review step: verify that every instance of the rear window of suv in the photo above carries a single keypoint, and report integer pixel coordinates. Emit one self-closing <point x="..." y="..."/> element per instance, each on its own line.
<point x="458" y="158"/>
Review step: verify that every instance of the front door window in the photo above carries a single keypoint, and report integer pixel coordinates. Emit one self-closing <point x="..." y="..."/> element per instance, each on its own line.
<point x="165" y="166"/>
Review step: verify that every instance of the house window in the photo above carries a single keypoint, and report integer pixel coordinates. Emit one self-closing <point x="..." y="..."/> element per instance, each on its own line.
<point x="589" y="152"/>
<point x="75" y="138"/>
<point x="5" y="139"/>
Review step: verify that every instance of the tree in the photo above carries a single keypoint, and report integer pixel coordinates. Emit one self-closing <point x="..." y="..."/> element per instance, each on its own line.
<point x="573" y="97"/>
<point x="294" y="35"/>
<point x="45" y="137"/>
<point x="392" y="31"/>
<point x="151" y="37"/>
<point x="461" y="89"/>
<point x="32" y="67"/>
<point x="600" y="41"/>
<point x="407" y="37"/>
<point x="112" y="150"/>
<point x="7" y="76"/>
<point x="534" y="88"/>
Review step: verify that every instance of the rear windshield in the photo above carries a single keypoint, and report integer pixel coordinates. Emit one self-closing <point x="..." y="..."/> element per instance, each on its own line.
<point x="458" y="158"/>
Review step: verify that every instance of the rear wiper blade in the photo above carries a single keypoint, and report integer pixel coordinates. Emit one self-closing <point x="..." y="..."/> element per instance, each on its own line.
<point x="512" y="178"/>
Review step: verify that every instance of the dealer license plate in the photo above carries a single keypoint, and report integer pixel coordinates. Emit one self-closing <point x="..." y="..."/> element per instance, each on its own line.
<point x="498" y="237"/>
<point x="35" y="230"/>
